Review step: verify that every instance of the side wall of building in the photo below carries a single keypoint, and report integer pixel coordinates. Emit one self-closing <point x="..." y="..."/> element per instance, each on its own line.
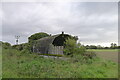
<point x="55" y="50"/>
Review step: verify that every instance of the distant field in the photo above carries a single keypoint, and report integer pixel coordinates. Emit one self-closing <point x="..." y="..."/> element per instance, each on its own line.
<point x="112" y="50"/>
<point x="108" y="54"/>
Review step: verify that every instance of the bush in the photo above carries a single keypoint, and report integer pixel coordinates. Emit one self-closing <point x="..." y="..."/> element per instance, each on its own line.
<point x="24" y="46"/>
<point x="90" y="54"/>
<point x="71" y="47"/>
<point x="25" y="52"/>
<point x="5" y="45"/>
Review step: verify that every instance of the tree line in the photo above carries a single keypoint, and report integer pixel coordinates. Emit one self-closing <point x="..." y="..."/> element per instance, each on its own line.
<point x="112" y="46"/>
<point x="37" y="36"/>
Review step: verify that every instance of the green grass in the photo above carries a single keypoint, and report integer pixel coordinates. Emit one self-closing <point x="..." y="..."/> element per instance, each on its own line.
<point x="99" y="50"/>
<point x="107" y="54"/>
<point x="24" y="65"/>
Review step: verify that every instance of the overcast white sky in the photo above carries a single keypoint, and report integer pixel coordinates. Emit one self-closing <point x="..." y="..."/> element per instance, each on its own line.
<point x="93" y="22"/>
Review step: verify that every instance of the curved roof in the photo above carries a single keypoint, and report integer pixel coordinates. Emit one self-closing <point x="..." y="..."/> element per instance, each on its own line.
<point x="46" y="41"/>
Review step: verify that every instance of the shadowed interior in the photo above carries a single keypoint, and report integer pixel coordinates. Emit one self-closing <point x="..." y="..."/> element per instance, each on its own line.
<point x="59" y="41"/>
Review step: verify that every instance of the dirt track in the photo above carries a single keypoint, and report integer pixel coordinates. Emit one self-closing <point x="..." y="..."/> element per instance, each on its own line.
<point x="108" y="55"/>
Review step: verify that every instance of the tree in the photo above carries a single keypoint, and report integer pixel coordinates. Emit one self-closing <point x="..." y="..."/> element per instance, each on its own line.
<point x="37" y="36"/>
<point x="87" y="46"/>
<point x="106" y="47"/>
<point x="5" y="45"/>
<point x="99" y="47"/>
<point x="113" y="45"/>
<point x="92" y="47"/>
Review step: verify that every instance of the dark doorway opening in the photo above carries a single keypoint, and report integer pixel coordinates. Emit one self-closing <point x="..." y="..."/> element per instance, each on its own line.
<point x="59" y="41"/>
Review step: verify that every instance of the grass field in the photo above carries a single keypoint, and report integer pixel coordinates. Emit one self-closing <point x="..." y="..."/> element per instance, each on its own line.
<point x="105" y="50"/>
<point x="109" y="54"/>
<point x="17" y="64"/>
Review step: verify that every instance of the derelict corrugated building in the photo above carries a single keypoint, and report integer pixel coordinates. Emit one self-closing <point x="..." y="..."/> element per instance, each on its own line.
<point x="50" y="45"/>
